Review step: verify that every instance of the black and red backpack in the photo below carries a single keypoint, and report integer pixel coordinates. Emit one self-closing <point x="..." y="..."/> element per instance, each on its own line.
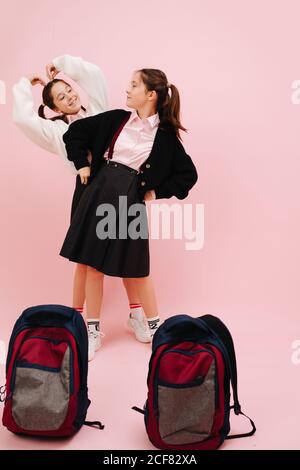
<point x="190" y="371"/>
<point x="46" y="373"/>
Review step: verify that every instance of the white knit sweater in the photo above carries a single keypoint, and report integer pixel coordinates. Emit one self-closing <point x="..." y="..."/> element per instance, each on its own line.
<point x="44" y="132"/>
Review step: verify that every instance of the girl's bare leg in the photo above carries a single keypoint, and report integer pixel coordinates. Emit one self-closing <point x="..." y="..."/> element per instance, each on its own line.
<point x="79" y="285"/>
<point x="146" y="295"/>
<point x="94" y="292"/>
<point x="131" y="290"/>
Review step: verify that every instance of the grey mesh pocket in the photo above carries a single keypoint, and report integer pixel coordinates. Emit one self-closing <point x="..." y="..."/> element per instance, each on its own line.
<point x="41" y="395"/>
<point x="186" y="414"/>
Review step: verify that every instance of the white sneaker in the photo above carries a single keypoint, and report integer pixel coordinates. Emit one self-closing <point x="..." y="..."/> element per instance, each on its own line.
<point x="94" y="343"/>
<point x="153" y="328"/>
<point x="140" y="328"/>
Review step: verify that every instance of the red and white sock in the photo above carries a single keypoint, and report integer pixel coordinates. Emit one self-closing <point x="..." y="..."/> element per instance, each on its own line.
<point x="79" y="309"/>
<point x="136" y="310"/>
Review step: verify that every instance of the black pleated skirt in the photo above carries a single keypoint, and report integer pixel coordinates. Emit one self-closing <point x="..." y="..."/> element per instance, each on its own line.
<point x="92" y="241"/>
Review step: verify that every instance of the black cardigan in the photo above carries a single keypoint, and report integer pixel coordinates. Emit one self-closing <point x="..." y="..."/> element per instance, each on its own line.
<point x="168" y="169"/>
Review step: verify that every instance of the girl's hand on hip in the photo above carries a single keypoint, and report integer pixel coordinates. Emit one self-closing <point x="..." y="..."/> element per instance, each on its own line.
<point x="148" y="196"/>
<point x="84" y="174"/>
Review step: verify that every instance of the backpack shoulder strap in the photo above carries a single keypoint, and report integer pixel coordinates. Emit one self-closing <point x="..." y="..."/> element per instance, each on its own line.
<point x="245" y="434"/>
<point x="220" y="330"/>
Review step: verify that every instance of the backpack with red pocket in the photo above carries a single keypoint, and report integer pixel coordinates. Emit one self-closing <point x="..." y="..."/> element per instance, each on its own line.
<point x="190" y="371"/>
<point x="46" y="373"/>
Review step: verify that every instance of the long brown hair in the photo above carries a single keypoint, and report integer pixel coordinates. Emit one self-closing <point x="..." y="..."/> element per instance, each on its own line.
<point x="48" y="101"/>
<point x="168" y="107"/>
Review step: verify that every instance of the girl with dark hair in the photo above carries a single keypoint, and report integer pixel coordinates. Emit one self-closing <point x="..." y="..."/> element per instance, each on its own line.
<point x="55" y="96"/>
<point x="60" y="97"/>
<point x="136" y="157"/>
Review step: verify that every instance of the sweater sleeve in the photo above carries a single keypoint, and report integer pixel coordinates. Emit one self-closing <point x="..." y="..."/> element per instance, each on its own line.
<point x="45" y="133"/>
<point x="88" y="76"/>
<point x="183" y="176"/>
<point x="79" y="139"/>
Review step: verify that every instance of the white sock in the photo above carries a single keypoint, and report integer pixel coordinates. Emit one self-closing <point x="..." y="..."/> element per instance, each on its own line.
<point x="93" y="325"/>
<point x="136" y="310"/>
<point x="153" y="324"/>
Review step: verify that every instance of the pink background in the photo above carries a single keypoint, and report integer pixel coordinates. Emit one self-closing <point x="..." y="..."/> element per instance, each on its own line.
<point x="234" y="63"/>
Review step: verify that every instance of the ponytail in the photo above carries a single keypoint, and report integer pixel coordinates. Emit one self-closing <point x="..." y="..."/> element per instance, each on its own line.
<point x="41" y="111"/>
<point x="170" y="110"/>
<point x="168" y="105"/>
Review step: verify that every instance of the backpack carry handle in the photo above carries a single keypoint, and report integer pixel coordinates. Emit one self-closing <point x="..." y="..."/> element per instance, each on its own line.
<point x="181" y="320"/>
<point x="61" y="313"/>
<point x="181" y="324"/>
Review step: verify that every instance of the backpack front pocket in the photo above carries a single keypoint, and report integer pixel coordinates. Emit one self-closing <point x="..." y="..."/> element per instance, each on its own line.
<point x="40" y="392"/>
<point x="186" y="410"/>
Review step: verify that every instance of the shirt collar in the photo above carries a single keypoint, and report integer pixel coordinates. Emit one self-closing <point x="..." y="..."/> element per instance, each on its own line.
<point x="73" y="117"/>
<point x="153" y="120"/>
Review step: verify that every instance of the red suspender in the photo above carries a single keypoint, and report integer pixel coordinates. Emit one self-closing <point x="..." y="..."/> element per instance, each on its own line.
<point x="116" y="135"/>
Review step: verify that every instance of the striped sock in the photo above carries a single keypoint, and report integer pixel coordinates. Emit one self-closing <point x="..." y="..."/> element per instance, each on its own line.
<point x="79" y="309"/>
<point x="135" y="310"/>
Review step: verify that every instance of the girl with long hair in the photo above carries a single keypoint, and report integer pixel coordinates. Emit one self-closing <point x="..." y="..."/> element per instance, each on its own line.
<point x="137" y="156"/>
<point x="47" y="132"/>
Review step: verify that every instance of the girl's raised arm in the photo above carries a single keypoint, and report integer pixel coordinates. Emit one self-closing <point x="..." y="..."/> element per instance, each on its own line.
<point x="45" y="133"/>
